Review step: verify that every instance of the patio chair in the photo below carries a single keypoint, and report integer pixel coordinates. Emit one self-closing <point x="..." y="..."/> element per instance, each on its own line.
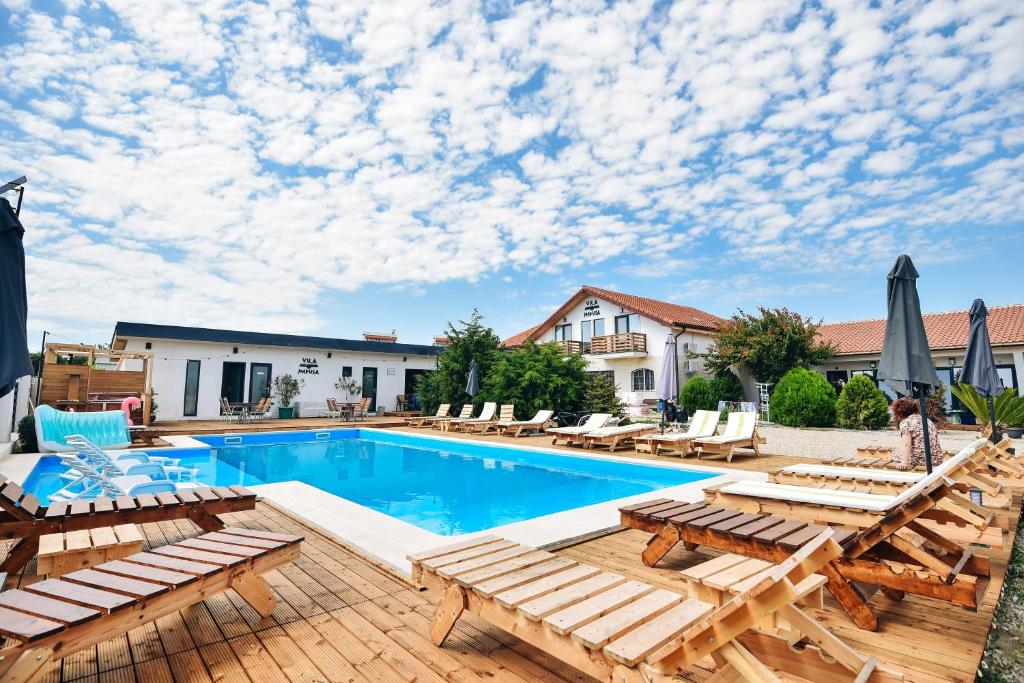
<point x="740" y="432"/>
<point x="626" y="631"/>
<point x="56" y="618"/>
<point x="428" y="420"/>
<point x="331" y="410"/>
<point x="887" y="546"/>
<point x="537" y="424"/>
<point x="570" y="435"/>
<point x="402" y="402"/>
<point x="486" y="415"/>
<point x="362" y="409"/>
<point x="955" y="517"/>
<point x="702" y="425"/>
<point x="464" y="414"/>
<point x="26" y="518"/>
<point x="228" y="412"/>
<point x="619" y="435"/>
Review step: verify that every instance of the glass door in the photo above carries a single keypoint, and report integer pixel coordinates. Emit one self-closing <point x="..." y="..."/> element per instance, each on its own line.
<point x="259" y="381"/>
<point x="191" y="388"/>
<point x="370" y="386"/>
<point x="232" y="382"/>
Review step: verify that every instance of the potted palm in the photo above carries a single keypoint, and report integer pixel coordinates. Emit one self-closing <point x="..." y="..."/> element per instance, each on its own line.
<point x="286" y="388"/>
<point x="1008" y="405"/>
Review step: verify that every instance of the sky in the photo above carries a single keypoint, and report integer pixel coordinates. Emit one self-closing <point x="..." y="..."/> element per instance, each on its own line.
<point x="332" y="166"/>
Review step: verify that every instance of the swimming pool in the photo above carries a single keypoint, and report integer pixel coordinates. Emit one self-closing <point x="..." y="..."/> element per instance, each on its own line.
<point x="444" y="486"/>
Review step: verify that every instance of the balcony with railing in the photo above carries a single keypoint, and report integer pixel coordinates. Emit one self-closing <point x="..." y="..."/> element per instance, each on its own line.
<point x="570" y="346"/>
<point x="624" y="342"/>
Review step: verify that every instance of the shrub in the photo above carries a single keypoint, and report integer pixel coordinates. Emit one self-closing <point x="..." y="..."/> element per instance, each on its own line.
<point x="536" y="377"/>
<point x="471" y="340"/>
<point x="726" y="386"/>
<point x="697" y="395"/>
<point x="862" y="405"/>
<point x="803" y="398"/>
<point x="27" y="434"/>
<point x="602" y="396"/>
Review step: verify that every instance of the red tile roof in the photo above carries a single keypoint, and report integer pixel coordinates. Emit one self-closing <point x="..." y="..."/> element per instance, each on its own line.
<point x="373" y="336"/>
<point x="945" y="330"/>
<point x="670" y="314"/>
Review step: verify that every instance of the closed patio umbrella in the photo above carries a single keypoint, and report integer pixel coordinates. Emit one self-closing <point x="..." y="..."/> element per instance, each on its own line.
<point x="979" y="366"/>
<point x="473" y="383"/>
<point x="14" y="359"/>
<point x="668" y="379"/>
<point x="906" y="360"/>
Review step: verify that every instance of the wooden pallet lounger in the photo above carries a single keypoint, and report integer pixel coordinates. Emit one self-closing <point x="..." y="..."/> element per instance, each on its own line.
<point x="615" y="629"/>
<point x="874" y="556"/>
<point x="1004" y="467"/>
<point x="55" y="618"/>
<point x="22" y="516"/>
<point x="574" y="435"/>
<point x="538" y="423"/>
<point x="619" y="435"/>
<point x="740" y="432"/>
<point x="953" y="516"/>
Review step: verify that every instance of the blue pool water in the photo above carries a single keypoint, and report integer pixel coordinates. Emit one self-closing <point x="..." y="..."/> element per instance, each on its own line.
<point x="444" y="486"/>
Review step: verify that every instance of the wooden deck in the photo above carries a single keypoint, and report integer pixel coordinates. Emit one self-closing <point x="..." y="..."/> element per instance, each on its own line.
<point x="342" y="617"/>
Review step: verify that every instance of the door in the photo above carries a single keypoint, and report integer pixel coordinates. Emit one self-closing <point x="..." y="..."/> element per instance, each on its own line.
<point x="191" y="388"/>
<point x="232" y="382"/>
<point x="259" y="381"/>
<point x="370" y="386"/>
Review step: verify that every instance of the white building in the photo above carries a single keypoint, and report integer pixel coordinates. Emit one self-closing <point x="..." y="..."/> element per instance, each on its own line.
<point x="624" y="336"/>
<point x="193" y="367"/>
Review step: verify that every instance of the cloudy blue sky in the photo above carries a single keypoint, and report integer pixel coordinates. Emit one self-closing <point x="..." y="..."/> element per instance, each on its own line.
<point x="332" y="166"/>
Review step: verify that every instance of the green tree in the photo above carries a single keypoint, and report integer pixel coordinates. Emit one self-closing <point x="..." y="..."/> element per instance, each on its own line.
<point x="726" y="386"/>
<point x="447" y="382"/>
<point x="602" y="396"/>
<point x="767" y="344"/>
<point x="803" y="398"/>
<point x="536" y="377"/>
<point x="862" y="405"/>
<point x="697" y="395"/>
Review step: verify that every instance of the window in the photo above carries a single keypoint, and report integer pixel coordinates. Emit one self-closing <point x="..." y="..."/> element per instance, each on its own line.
<point x="563" y="332"/>
<point x="608" y="374"/>
<point x="191" y="388"/>
<point x="590" y="329"/>
<point x="643" y="379"/>
<point x="346" y="371"/>
<point x="627" y="323"/>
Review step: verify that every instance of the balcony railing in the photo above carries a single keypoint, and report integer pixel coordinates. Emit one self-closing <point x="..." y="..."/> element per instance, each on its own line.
<point x="619" y="343"/>
<point x="570" y="346"/>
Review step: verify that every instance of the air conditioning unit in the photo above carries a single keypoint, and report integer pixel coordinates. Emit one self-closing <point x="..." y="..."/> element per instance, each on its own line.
<point x="692" y="366"/>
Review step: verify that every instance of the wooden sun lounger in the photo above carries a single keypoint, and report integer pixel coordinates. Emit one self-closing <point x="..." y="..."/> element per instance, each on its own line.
<point x="537" y="424"/>
<point x="22" y="516"/>
<point x="1006" y="468"/>
<point x="55" y="618"/>
<point x="615" y="439"/>
<point x="735" y="435"/>
<point x="876" y="557"/>
<point x="506" y="415"/>
<point x="444" y="423"/>
<point x="427" y="420"/>
<point x="626" y="631"/>
<point x="703" y="425"/>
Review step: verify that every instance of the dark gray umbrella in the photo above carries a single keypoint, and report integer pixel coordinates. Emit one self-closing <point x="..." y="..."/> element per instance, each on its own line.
<point x="14" y="359"/>
<point x="906" y="360"/>
<point x="473" y="383"/>
<point x="979" y="366"/>
<point x="668" y="378"/>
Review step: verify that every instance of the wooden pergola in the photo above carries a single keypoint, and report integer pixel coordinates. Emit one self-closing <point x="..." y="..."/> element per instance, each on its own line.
<point x="103" y="379"/>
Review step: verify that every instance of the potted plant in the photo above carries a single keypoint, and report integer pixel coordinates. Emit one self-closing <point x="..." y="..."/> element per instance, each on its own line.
<point x="349" y="387"/>
<point x="286" y="388"/>
<point x="1008" y="405"/>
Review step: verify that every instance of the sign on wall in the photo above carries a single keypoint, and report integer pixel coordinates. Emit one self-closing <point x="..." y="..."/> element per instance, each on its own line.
<point x="591" y="308"/>
<point x="309" y="366"/>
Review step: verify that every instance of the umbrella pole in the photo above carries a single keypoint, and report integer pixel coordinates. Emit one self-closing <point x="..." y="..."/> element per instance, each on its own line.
<point x="994" y="436"/>
<point x="924" y="428"/>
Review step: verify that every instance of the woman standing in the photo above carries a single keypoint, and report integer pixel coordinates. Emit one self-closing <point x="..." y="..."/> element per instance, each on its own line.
<point x="910" y="452"/>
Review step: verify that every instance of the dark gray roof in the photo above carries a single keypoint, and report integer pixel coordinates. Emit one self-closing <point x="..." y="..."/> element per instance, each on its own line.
<point x="206" y="334"/>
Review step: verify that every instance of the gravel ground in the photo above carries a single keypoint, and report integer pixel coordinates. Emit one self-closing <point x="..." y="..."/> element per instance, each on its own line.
<point x="815" y="443"/>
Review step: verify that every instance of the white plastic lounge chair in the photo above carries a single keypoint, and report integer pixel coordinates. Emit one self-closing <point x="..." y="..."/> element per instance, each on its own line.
<point x="126" y="462"/>
<point x="574" y="434"/>
<point x="740" y="432"/>
<point x="616" y="436"/>
<point x="486" y="415"/>
<point x="516" y="428"/>
<point x="92" y="482"/>
<point x="703" y="424"/>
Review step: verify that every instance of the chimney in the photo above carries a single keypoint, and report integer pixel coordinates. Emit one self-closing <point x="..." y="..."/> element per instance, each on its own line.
<point x="441" y="340"/>
<point x="386" y="337"/>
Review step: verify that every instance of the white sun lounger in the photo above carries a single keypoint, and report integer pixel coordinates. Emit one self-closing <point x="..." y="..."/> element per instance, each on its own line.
<point x="486" y="415"/>
<point x="740" y="432"/>
<point x="572" y="434"/>
<point x="616" y="436"/>
<point x="537" y="424"/>
<point x="703" y="424"/>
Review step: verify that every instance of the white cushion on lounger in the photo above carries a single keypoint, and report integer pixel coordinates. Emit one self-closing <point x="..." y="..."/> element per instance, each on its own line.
<point x="857" y="472"/>
<point x="703" y="424"/>
<point x="595" y="421"/>
<point x="618" y="429"/>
